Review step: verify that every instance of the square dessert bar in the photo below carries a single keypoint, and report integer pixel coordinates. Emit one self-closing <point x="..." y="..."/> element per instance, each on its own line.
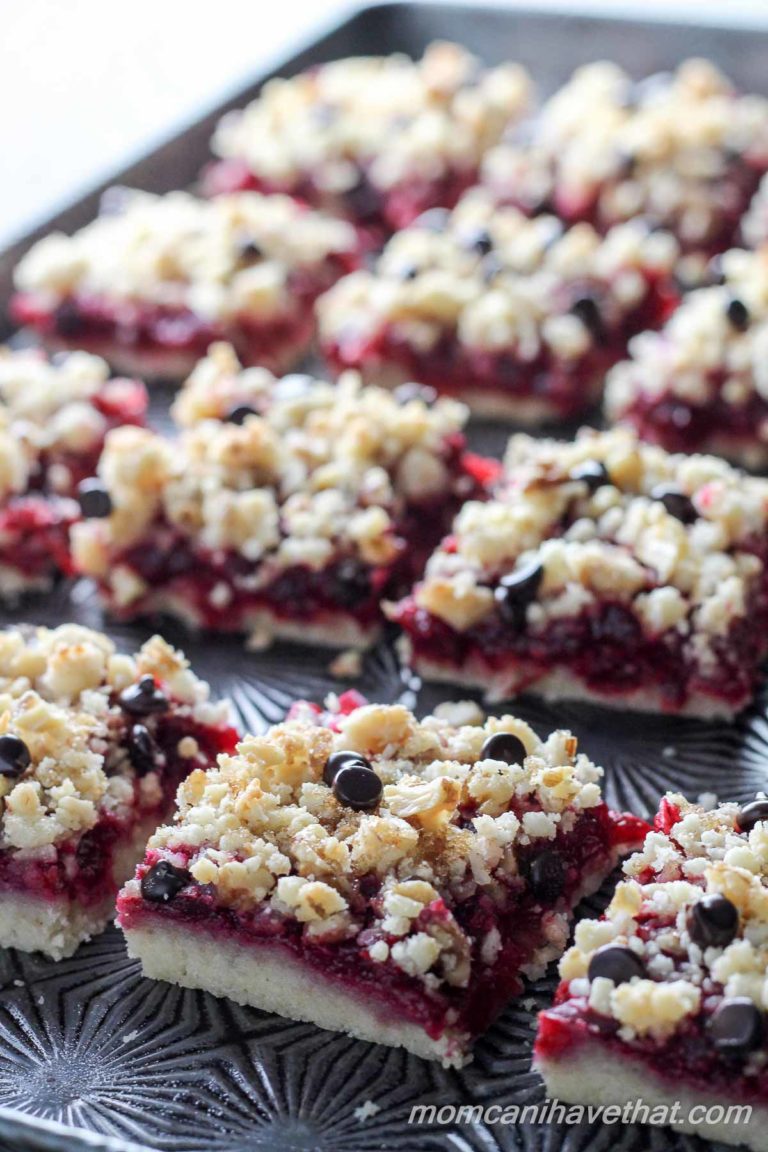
<point x="287" y="508"/>
<point x="93" y="745"/>
<point x="155" y="279"/>
<point x="701" y="383"/>
<point x="684" y="150"/>
<point x="375" y="139"/>
<point x="54" y="416"/>
<point x="664" y="999"/>
<point x="517" y="317"/>
<point x="603" y="569"/>
<point x="375" y="874"/>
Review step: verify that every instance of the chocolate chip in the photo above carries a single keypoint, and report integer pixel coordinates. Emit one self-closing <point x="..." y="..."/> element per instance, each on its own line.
<point x="143" y="699"/>
<point x="546" y="876"/>
<point x="593" y="473"/>
<point x="14" y="756"/>
<point x="142" y="750"/>
<point x="338" y="760"/>
<point x="405" y="393"/>
<point x="752" y="814"/>
<point x="434" y="220"/>
<point x="357" y="787"/>
<point x="240" y="413"/>
<point x="736" y="1026"/>
<point x="738" y="314"/>
<point x="712" y="921"/>
<point x="94" y="499"/>
<point x="479" y="241"/>
<point x="516" y="590"/>
<point x="163" y="881"/>
<point x="676" y="503"/>
<point x="616" y="963"/>
<point x="587" y="310"/>
<point x="504" y="746"/>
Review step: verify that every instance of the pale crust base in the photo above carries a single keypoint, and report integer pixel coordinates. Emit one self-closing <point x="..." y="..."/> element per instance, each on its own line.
<point x="59" y="926"/>
<point x="592" y="1075"/>
<point x="526" y="411"/>
<point x="262" y="627"/>
<point x="271" y="979"/>
<point x="14" y="585"/>
<point x="563" y="685"/>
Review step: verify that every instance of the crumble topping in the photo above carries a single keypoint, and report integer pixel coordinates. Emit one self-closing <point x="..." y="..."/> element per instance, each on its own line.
<point x="714" y="346"/>
<point x="693" y="855"/>
<point x="499" y="281"/>
<point x="58" y="694"/>
<point x="263" y="828"/>
<point x="670" y="147"/>
<point x="310" y="473"/>
<point x="395" y="118"/>
<point x="47" y="411"/>
<point x="236" y="255"/>
<point x="616" y="541"/>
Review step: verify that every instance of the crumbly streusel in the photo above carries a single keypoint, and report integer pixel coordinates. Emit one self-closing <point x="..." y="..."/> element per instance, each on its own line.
<point x="701" y="353"/>
<point x="323" y="469"/>
<point x="497" y="281"/>
<point x="615" y="542"/>
<point x="608" y="149"/>
<point x="702" y="853"/>
<point x="396" y="119"/>
<point x="58" y="691"/>
<point x="234" y="255"/>
<point x="263" y="827"/>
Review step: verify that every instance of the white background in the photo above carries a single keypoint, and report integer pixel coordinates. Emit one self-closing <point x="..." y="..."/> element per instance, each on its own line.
<point x="87" y="85"/>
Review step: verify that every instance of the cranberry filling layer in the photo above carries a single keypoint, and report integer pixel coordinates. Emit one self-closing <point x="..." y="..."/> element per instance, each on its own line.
<point x="34" y="535"/>
<point x="588" y="849"/>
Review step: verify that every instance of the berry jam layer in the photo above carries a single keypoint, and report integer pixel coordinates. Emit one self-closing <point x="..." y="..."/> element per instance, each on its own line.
<point x="34" y="540"/>
<point x="600" y="653"/>
<point x="718" y="426"/>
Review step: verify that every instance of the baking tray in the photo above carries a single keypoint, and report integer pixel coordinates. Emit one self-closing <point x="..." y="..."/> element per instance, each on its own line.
<point x="94" y="1057"/>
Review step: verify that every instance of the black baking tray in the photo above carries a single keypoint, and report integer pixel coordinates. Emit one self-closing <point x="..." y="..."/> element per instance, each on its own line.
<point x="94" y="1057"/>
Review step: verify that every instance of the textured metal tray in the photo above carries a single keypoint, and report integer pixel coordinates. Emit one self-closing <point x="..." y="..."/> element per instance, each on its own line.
<point x="91" y="1055"/>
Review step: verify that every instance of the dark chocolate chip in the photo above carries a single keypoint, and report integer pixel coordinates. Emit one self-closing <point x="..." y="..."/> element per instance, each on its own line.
<point x="94" y="499"/>
<point x="14" y="756"/>
<point x="143" y="699"/>
<point x="676" y="503"/>
<point x="736" y="1026"/>
<point x="593" y="473"/>
<point x="240" y="413"/>
<point x="434" y="220"/>
<point x="752" y="814"/>
<point x="142" y="750"/>
<point x="338" y="760"/>
<point x="504" y="746"/>
<point x="405" y="393"/>
<point x="587" y="310"/>
<point x="546" y="876"/>
<point x="516" y="590"/>
<point x="357" y="787"/>
<point x="738" y="314"/>
<point x="614" y="962"/>
<point x="712" y="921"/>
<point x="163" y="881"/>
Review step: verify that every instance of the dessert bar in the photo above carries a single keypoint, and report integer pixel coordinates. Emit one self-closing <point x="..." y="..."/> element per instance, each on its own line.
<point x="54" y="416"/>
<point x="519" y="318"/>
<point x="375" y="139"/>
<point x="685" y="150"/>
<point x="375" y="874"/>
<point x="663" y="1000"/>
<point x="288" y="514"/>
<point x="602" y="569"/>
<point x="701" y="383"/>
<point x="154" y="280"/>
<point x="93" y="745"/>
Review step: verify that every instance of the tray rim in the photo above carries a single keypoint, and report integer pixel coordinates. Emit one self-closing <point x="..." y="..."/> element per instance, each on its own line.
<point x="40" y="1133"/>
